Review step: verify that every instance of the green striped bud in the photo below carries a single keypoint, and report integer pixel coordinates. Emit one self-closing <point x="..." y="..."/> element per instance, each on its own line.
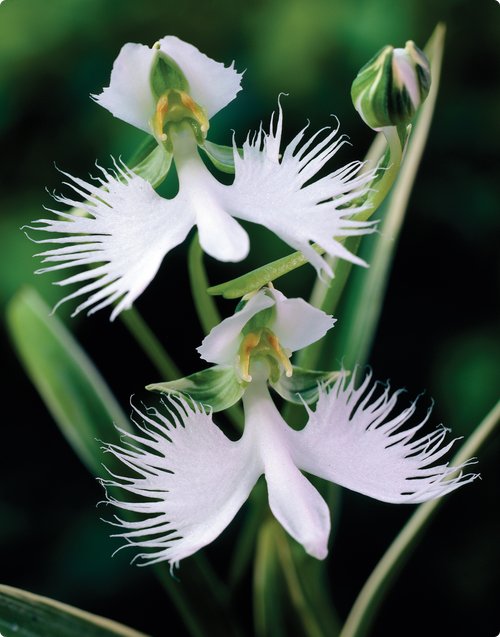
<point x="390" y="88"/>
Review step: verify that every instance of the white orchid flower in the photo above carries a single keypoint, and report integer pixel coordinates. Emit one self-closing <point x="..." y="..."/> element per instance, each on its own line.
<point x="192" y="480"/>
<point x="265" y="326"/>
<point x="287" y="326"/>
<point x="170" y="91"/>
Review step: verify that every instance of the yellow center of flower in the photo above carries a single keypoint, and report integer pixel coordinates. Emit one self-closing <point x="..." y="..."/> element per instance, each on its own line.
<point x="176" y="106"/>
<point x="265" y="344"/>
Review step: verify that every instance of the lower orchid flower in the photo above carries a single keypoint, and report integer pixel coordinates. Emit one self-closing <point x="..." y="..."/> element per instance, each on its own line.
<point x="191" y="480"/>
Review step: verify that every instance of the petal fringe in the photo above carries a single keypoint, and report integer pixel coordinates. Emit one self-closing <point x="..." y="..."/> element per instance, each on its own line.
<point x="278" y="192"/>
<point x="188" y="481"/>
<point x="356" y="439"/>
<point x="128" y="231"/>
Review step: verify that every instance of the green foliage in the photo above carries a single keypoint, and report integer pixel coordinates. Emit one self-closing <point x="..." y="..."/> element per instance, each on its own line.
<point x="24" y="614"/>
<point x="72" y="388"/>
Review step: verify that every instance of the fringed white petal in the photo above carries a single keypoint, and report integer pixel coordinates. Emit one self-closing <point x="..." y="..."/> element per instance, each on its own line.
<point x="212" y="85"/>
<point x="277" y="192"/>
<point x="297" y="323"/>
<point x="129" y="95"/>
<point x="129" y="231"/>
<point x="189" y="482"/>
<point x="296" y="504"/>
<point x="356" y="439"/>
<point x="221" y="345"/>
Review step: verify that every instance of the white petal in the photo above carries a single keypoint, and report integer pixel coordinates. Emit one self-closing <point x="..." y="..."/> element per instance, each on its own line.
<point x="220" y="235"/>
<point x="296" y="504"/>
<point x="129" y="95"/>
<point x="130" y="230"/>
<point x="297" y="323"/>
<point x="278" y="193"/>
<point x="212" y="85"/>
<point x="356" y="439"/>
<point x="221" y="345"/>
<point x="191" y="479"/>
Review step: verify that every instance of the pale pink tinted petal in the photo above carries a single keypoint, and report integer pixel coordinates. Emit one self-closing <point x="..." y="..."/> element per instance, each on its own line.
<point x="359" y="439"/>
<point x="189" y="478"/>
<point x="212" y="85"/>
<point x="129" y="95"/>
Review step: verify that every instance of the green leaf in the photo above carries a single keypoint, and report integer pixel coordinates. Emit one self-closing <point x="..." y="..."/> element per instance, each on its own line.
<point x="72" y="388"/>
<point x="217" y="387"/>
<point x="306" y="581"/>
<point x="268" y="584"/>
<point x="222" y="157"/>
<point x="23" y="614"/>
<point x="303" y="385"/>
<point x="372" y="594"/>
<point x="355" y="335"/>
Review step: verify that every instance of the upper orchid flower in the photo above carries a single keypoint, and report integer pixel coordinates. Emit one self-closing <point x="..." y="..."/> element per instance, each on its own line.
<point x="170" y="91"/>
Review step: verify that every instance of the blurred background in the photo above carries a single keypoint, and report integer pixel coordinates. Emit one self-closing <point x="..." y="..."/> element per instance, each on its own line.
<point x="437" y="332"/>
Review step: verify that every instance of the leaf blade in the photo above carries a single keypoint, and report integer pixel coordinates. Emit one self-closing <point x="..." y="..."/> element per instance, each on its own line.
<point x="72" y="388"/>
<point x="24" y="614"/>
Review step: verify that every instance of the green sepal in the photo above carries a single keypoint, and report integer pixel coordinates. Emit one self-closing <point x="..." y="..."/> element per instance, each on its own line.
<point x="151" y="161"/>
<point x="216" y="387"/>
<point x="304" y="385"/>
<point x="222" y="157"/>
<point x="154" y="168"/>
<point x="165" y="75"/>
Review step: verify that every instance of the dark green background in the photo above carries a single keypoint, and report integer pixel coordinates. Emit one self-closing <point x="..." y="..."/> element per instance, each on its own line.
<point x="437" y="332"/>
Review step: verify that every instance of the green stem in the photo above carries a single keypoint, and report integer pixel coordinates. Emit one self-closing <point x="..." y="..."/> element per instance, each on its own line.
<point x="150" y="344"/>
<point x="206" y="309"/>
<point x="373" y="592"/>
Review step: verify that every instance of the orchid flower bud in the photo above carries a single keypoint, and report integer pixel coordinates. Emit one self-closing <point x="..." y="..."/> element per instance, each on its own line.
<point x="390" y="88"/>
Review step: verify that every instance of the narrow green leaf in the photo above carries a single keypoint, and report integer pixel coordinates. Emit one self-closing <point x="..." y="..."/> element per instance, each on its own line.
<point x="206" y="309"/>
<point x="23" y="614"/>
<point x="364" y="302"/>
<point x="306" y="583"/>
<point x="216" y="387"/>
<point x="72" y="388"/>
<point x="222" y="157"/>
<point x="372" y="594"/>
<point x="268" y="584"/>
